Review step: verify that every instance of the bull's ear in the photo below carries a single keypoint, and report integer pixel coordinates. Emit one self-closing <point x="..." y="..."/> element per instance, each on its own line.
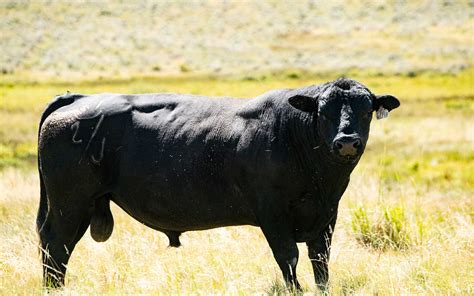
<point x="387" y="102"/>
<point x="304" y="103"/>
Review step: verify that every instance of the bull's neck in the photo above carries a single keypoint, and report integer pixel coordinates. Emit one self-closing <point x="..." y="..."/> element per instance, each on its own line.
<point x="311" y="157"/>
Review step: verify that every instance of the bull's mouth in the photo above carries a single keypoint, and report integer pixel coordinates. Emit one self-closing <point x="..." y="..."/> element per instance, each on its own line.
<point x="346" y="159"/>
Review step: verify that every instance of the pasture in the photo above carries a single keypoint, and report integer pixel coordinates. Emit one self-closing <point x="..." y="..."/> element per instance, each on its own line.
<point x="406" y="222"/>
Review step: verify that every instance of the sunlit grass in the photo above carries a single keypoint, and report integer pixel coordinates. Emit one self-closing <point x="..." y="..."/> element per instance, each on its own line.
<point x="410" y="198"/>
<point x="238" y="260"/>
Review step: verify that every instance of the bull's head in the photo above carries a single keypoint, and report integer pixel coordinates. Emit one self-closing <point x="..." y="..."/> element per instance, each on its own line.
<point x="344" y="110"/>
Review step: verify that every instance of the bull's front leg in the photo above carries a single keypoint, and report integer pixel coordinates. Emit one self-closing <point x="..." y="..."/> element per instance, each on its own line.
<point x="319" y="251"/>
<point x="276" y="227"/>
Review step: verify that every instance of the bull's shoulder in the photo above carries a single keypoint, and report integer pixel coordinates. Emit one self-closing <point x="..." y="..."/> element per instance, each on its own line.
<point x="268" y="102"/>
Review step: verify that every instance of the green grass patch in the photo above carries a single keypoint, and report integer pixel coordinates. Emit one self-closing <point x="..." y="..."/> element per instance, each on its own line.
<point x="381" y="231"/>
<point x="440" y="169"/>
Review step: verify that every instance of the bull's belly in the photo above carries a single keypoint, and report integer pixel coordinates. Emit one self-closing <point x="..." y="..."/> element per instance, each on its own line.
<point x="183" y="210"/>
<point x="181" y="179"/>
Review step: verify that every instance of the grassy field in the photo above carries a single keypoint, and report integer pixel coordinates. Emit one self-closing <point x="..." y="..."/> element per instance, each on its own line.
<point x="406" y="223"/>
<point x="114" y="38"/>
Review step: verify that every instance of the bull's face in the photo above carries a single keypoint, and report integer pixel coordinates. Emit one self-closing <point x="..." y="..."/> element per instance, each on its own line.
<point x="344" y="111"/>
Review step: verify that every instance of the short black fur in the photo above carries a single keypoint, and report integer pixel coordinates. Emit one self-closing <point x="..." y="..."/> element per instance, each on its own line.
<point x="177" y="163"/>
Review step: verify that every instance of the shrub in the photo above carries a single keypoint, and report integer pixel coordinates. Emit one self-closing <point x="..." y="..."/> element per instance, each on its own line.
<point x="184" y="68"/>
<point x="293" y="75"/>
<point x="389" y="230"/>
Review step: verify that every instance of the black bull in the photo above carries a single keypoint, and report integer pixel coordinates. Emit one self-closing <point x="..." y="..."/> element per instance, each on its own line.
<point x="177" y="163"/>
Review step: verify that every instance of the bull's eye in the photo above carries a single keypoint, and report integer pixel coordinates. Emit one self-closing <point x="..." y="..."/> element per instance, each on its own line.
<point x="324" y="117"/>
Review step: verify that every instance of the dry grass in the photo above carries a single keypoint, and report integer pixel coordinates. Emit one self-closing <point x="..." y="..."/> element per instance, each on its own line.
<point x="419" y="159"/>
<point x="238" y="260"/>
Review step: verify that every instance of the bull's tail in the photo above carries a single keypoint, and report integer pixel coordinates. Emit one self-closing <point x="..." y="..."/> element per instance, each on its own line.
<point x="43" y="206"/>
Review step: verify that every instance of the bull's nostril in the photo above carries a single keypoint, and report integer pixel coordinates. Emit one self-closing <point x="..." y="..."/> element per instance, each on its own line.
<point x="347" y="146"/>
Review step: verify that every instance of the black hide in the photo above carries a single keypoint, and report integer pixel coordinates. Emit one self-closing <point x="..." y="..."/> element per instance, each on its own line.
<point x="182" y="162"/>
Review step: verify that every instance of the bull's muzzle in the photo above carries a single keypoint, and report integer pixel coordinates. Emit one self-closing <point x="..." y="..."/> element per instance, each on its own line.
<point x="347" y="146"/>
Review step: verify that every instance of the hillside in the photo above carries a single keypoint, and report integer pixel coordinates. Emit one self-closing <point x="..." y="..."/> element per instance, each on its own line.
<point x="64" y="39"/>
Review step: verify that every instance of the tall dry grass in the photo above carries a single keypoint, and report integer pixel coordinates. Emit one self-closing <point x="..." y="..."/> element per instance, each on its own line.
<point x="436" y="260"/>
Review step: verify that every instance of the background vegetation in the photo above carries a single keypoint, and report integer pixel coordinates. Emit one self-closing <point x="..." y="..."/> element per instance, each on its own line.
<point x="406" y="224"/>
<point x="77" y="39"/>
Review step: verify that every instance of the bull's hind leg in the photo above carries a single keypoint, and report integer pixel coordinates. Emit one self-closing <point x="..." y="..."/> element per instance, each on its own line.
<point x="59" y="234"/>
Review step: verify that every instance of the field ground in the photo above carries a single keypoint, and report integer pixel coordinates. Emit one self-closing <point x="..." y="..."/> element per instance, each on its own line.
<point x="405" y="225"/>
